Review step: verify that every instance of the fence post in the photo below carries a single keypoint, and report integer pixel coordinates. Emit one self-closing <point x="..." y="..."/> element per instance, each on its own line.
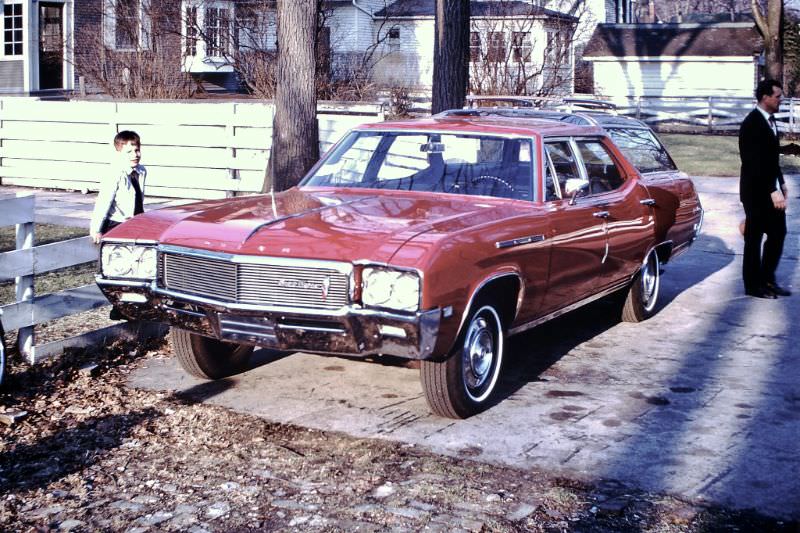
<point x="24" y="287"/>
<point x="639" y="107"/>
<point x="791" y="115"/>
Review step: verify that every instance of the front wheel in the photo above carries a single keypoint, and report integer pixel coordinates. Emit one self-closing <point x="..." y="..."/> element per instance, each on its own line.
<point x="208" y="358"/>
<point x="462" y="385"/>
<point x="643" y="292"/>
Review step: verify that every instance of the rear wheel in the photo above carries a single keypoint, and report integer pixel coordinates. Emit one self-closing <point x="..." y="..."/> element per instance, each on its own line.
<point x="462" y="385"/>
<point x="643" y="292"/>
<point x="208" y="358"/>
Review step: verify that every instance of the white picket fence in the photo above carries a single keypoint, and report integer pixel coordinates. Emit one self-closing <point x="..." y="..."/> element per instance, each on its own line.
<point x="192" y="149"/>
<point x="27" y="261"/>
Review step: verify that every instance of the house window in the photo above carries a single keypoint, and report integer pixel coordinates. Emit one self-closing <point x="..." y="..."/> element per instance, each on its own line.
<point x="557" y="48"/>
<point x="217" y="31"/>
<point x="126" y="24"/>
<point x="246" y="29"/>
<point x="497" y="47"/>
<point x="12" y="29"/>
<point x="474" y="46"/>
<point x="521" y="46"/>
<point x="393" y="39"/>
<point x="191" y="31"/>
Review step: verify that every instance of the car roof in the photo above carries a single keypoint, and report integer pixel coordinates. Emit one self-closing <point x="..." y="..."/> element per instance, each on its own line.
<point x="470" y="121"/>
<point x="587" y="118"/>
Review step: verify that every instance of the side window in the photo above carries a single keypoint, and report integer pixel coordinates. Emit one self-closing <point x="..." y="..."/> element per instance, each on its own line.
<point x="643" y="149"/>
<point x="603" y="173"/>
<point x="564" y="165"/>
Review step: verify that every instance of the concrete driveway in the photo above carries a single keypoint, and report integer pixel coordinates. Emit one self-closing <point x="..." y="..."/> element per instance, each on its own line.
<point x="702" y="401"/>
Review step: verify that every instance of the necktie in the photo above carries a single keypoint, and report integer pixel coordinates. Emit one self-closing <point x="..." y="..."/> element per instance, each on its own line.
<point x="139" y="202"/>
<point x="773" y="125"/>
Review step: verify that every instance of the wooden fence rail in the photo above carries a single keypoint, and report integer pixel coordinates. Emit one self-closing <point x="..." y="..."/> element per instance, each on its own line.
<point x="191" y="149"/>
<point x="712" y="114"/>
<point x="27" y="261"/>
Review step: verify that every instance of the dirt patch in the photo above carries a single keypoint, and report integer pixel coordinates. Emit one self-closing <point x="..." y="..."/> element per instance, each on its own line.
<point x="93" y="454"/>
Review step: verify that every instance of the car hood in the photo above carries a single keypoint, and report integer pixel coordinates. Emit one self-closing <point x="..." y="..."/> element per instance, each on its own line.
<point x="327" y="224"/>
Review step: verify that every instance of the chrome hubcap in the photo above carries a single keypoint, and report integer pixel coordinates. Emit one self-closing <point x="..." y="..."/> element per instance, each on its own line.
<point x="650" y="281"/>
<point x="478" y="354"/>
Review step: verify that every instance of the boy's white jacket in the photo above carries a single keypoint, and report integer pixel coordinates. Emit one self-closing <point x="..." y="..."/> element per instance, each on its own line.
<point x="117" y="197"/>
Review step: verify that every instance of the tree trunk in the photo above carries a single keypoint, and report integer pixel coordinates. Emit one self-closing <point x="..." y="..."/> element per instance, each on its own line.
<point x="450" y="54"/>
<point x="295" y="134"/>
<point x="770" y="24"/>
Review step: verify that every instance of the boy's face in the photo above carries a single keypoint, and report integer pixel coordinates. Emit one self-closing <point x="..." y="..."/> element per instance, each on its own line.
<point x="130" y="153"/>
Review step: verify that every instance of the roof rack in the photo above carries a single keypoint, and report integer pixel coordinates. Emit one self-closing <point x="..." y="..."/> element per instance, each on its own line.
<point x="544" y="102"/>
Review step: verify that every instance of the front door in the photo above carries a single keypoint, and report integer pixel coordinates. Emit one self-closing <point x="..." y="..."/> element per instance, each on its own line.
<point x="51" y="46"/>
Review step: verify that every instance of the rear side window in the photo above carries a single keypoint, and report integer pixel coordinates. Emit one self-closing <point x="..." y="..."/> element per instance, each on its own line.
<point x="643" y="149"/>
<point x="602" y="171"/>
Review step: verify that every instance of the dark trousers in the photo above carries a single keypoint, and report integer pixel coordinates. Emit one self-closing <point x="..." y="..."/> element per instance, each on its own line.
<point x="758" y="267"/>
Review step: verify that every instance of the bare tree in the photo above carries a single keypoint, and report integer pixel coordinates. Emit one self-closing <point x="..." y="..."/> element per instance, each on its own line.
<point x="769" y="20"/>
<point x="450" y="54"/>
<point x="673" y="10"/>
<point x="295" y="134"/>
<point x="132" y="53"/>
<point x="529" y="54"/>
<point x="248" y="43"/>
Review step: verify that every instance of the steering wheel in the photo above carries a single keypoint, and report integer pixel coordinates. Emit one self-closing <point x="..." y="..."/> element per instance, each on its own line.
<point x="494" y="179"/>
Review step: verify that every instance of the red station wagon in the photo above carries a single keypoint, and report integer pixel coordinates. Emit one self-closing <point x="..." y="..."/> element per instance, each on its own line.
<point x="430" y="239"/>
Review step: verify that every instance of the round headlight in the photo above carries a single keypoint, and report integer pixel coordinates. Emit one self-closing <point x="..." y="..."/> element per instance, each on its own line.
<point x="128" y="261"/>
<point x="391" y="289"/>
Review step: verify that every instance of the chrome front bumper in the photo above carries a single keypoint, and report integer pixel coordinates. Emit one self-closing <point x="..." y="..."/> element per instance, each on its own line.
<point x="352" y="330"/>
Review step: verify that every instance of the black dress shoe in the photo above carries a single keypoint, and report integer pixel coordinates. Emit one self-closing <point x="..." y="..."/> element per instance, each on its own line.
<point x="777" y="289"/>
<point x="761" y="293"/>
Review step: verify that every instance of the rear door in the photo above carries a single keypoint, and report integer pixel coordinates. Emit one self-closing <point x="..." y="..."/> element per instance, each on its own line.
<point x="623" y="203"/>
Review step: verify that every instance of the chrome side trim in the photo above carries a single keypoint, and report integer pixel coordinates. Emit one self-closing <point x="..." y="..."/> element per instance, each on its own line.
<point x="519" y="241"/>
<point x="572" y="307"/>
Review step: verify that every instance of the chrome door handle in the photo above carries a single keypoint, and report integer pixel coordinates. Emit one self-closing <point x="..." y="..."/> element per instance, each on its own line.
<point x="600" y="214"/>
<point x="648" y="201"/>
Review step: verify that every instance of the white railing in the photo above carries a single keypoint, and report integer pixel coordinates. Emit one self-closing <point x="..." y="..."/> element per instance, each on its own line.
<point x="714" y="114"/>
<point x="27" y="261"/>
<point x="191" y="149"/>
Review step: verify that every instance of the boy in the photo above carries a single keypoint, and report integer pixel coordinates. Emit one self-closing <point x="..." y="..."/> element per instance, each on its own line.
<point x="122" y="192"/>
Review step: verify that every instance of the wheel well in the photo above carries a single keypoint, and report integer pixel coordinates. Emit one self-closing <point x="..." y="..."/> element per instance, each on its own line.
<point x="664" y="252"/>
<point x="502" y="293"/>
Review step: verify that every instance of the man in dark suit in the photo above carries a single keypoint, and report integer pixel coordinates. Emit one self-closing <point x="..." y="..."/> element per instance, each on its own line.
<point x="762" y="191"/>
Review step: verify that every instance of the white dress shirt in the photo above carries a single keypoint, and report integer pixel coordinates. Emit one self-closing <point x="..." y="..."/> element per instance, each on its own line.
<point x="117" y="198"/>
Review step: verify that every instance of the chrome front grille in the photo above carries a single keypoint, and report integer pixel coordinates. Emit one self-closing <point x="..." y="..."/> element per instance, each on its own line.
<point x="279" y="284"/>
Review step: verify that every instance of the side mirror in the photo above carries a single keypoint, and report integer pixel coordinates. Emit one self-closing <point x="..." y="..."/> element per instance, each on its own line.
<point x="575" y="186"/>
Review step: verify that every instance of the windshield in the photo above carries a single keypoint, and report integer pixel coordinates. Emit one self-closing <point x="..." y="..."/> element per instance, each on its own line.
<point x="434" y="162"/>
<point x="643" y="149"/>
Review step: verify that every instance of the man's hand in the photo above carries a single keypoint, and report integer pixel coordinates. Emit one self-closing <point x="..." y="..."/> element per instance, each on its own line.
<point x="778" y="200"/>
<point x="96" y="237"/>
